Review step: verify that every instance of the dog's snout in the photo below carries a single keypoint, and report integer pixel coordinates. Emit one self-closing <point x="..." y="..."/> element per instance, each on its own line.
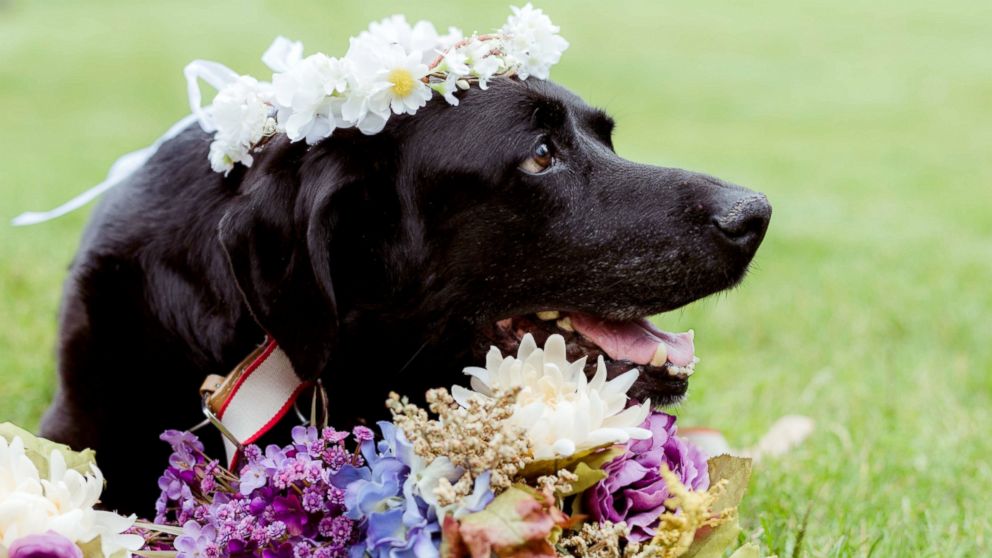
<point x="744" y="220"/>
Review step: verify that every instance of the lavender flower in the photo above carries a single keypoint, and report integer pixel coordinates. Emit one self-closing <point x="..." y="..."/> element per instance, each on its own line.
<point x="633" y="490"/>
<point x="197" y="541"/>
<point x="46" y="545"/>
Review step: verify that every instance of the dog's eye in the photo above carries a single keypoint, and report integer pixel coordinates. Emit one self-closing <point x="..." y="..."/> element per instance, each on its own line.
<point x="539" y="160"/>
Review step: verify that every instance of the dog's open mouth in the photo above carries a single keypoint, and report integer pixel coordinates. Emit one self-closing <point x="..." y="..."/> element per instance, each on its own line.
<point x="665" y="360"/>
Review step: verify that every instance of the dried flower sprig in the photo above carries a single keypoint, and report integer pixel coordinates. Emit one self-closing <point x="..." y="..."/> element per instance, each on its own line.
<point x="595" y="540"/>
<point x="477" y="438"/>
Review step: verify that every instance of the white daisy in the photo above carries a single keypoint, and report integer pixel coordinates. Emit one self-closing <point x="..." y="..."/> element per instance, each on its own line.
<point x="404" y="72"/>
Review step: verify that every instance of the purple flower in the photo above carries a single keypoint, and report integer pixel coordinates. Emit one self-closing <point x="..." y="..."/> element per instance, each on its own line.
<point x="333" y="436"/>
<point x="633" y="490"/>
<point x="363" y="434"/>
<point x="46" y="545"/>
<point x="182" y="441"/>
<point x="281" y="504"/>
<point x="197" y="541"/>
<point x="253" y="477"/>
<point x="170" y="484"/>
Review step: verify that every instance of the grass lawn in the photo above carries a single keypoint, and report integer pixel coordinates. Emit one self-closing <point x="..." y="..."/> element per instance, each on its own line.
<point x="869" y="126"/>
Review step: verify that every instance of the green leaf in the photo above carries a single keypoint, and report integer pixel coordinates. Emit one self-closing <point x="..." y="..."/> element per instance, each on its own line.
<point x="595" y="458"/>
<point x="587" y="478"/>
<point x="712" y="543"/>
<point x="39" y="450"/>
<point x="737" y="472"/>
<point x="749" y="550"/>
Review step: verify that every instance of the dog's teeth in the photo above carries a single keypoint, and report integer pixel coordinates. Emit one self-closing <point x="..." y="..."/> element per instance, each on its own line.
<point x="660" y="355"/>
<point x="692" y="334"/>
<point x="566" y="324"/>
<point x="548" y="315"/>
<point x="680" y="372"/>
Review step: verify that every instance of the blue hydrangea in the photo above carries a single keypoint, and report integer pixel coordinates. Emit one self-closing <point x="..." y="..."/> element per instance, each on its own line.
<point x="399" y="523"/>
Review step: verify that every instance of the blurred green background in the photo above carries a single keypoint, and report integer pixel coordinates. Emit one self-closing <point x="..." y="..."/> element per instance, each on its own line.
<point x="868" y="125"/>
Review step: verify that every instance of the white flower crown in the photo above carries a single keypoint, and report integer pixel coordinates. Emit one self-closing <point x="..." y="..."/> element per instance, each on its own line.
<point x="392" y="67"/>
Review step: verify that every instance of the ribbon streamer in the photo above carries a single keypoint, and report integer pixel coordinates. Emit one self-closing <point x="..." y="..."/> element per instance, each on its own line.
<point x="280" y="56"/>
<point x="119" y="171"/>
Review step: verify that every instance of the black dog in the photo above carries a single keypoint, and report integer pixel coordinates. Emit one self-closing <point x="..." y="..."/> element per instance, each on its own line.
<point x="384" y="262"/>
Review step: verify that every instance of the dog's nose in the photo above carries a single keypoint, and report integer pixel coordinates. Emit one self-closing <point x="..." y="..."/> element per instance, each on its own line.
<point x="744" y="220"/>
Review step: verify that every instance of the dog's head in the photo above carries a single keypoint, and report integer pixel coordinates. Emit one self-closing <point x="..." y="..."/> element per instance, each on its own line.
<point x="409" y="253"/>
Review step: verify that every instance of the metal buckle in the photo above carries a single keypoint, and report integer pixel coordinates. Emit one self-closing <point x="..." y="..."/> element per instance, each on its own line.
<point x="316" y="418"/>
<point x="212" y="419"/>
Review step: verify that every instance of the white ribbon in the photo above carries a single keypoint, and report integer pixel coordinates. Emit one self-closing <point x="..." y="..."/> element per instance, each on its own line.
<point x="216" y="75"/>
<point x="280" y="56"/>
<point x="120" y="170"/>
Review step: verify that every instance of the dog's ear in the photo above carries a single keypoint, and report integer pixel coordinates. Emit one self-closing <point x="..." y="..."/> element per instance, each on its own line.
<point x="277" y="237"/>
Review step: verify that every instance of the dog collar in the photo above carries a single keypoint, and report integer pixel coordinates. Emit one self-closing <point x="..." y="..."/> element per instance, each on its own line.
<point x="253" y="398"/>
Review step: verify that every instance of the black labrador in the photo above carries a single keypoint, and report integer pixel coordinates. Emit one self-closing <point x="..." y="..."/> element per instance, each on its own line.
<point x="385" y="262"/>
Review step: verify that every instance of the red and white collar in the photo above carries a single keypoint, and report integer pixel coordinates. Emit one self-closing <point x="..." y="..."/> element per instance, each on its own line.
<point x="253" y="398"/>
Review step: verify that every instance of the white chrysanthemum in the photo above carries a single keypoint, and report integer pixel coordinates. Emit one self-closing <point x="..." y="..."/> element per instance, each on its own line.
<point x="532" y="41"/>
<point x="240" y="113"/>
<point x="63" y="502"/>
<point x="562" y="412"/>
<point x="308" y="95"/>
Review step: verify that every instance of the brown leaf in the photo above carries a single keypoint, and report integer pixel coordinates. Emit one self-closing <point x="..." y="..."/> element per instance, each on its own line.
<point x="517" y="523"/>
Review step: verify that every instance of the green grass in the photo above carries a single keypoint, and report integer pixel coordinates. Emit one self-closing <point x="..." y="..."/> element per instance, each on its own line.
<point x="867" y="124"/>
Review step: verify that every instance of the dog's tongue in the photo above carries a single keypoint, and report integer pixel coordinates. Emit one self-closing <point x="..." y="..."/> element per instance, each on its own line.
<point x="634" y="340"/>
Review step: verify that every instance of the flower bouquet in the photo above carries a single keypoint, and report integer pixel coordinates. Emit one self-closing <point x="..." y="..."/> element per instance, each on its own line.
<point x="533" y="460"/>
<point x="47" y="498"/>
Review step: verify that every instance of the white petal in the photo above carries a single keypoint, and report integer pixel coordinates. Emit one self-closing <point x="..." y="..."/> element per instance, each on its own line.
<point x="462" y="396"/>
<point x="554" y="348"/>
<point x="493" y="358"/>
<point x="563" y="447"/>
<point x="620" y="384"/>
<point x="527" y="346"/>
<point x="639" y="433"/>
